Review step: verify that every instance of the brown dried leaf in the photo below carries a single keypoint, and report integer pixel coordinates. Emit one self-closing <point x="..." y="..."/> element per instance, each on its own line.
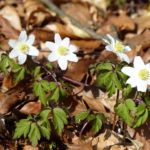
<point x="142" y="40"/>
<point x="7" y="29"/>
<point x="29" y="147"/>
<point x="10" y="13"/>
<point x="122" y="22"/>
<point x="82" y="15"/>
<point x="76" y="71"/>
<point x="94" y="104"/>
<point x="10" y="98"/>
<point x="67" y="30"/>
<point x="110" y="140"/>
<point x="36" y="12"/>
<point x="31" y="108"/>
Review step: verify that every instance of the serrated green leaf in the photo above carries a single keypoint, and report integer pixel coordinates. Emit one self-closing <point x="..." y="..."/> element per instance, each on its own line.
<point x="141" y="119"/>
<point x="91" y="117"/>
<point x="52" y="86"/>
<point x="34" y="134"/>
<point x="141" y="109"/>
<point x="37" y="71"/>
<point x="59" y="119"/>
<point x="44" y="114"/>
<point x="116" y="81"/>
<point x="123" y="111"/>
<point x="104" y="66"/>
<point x="4" y="64"/>
<point x="103" y="78"/>
<point x="127" y="91"/>
<point x="45" y="132"/>
<point x="81" y="116"/>
<point x="96" y="125"/>
<point x="20" y="75"/>
<point x="22" y="128"/>
<point x="39" y="91"/>
<point x="130" y="104"/>
<point x="55" y="95"/>
<point x="45" y="85"/>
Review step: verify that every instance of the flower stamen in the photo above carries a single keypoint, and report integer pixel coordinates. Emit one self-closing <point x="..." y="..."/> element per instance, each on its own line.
<point x="119" y="47"/>
<point x="143" y="74"/>
<point x="23" y="48"/>
<point x="62" y="50"/>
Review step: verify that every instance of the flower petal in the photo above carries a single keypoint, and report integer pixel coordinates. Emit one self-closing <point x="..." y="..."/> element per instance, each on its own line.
<point x="127" y="49"/>
<point x="72" y="48"/>
<point x="111" y="39"/>
<point x="22" y="36"/>
<point x="57" y="38"/>
<point x="65" y="42"/>
<point x="13" y="53"/>
<point x="109" y="48"/>
<point x="52" y="46"/>
<point x="148" y="66"/>
<point x="22" y="58"/>
<point x="132" y="82"/>
<point x="124" y="57"/>
<point x="72" y="57"/>
<point x="138" y="63"/>
<point x="33" y="51"/>
<point x="12" y="43"/>
<point x="62" y="62"/>
<point x="130" y="71"/>
<point x="53" y="57"/>
<point x="31" y="39"/>
<point x="141" y="86"/>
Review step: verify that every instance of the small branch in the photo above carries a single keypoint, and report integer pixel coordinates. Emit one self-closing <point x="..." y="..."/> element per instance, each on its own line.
<point x="62" y="14"/>
<point x="74" y="81"/>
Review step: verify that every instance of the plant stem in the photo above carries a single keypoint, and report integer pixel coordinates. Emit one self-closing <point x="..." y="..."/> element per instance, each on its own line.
<point x="114" y="122"/>
<point x="62" y="14"/>
<point x="74" y="81"/>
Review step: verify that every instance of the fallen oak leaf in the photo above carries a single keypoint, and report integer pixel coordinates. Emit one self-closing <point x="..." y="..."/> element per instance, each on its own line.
<point x="7" y="29"/>
<point x="10" y="13"/>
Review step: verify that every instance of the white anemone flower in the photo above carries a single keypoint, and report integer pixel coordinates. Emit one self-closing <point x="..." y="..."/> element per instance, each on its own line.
<point x="139" y="75"/>
<point x="62" y="51"/>
<point x="117" y="47"/>
<point x="23" y="47"/>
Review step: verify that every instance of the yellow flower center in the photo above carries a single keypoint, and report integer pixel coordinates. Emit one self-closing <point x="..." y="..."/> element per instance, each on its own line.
<point x="62" y="50"/>
<point x="23" y="48"/>
<point x="143" y="74"/>
<point x="119" y="47"/>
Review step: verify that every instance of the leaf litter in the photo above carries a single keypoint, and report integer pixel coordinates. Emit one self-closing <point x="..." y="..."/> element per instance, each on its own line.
<point x="17" y="100"/>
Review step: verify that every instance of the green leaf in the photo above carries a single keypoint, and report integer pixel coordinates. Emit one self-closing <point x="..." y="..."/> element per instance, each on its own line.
<point x="116" y="81"/>
<point x="130" y="104"/>
<point x="4" y="64"/>
<point x="123" y="111"/>
<point x="96" y="125"/>
<point x="141" y="109"/>
<point x="55" y="95"/>
<point x="81" y="116"/>
<point x="45" y="85"/>
<point x="36" y="71"/>
<point x="44" y="114"/>
<point x="52" y="86"/>
<point x="22" y="128"/>
<point x="39" y="91"/>
<point x="102" y="78"/>
<point x="20" y="75"/>
<point x="104" y="66"/>
<point x="141" y="119"/>
<point x="91" y="117"/>
<point x="127" y="91"/>
<point x="59" y="119"/>
<point x="34" y="134"/>
<point x="45" y="132"/>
